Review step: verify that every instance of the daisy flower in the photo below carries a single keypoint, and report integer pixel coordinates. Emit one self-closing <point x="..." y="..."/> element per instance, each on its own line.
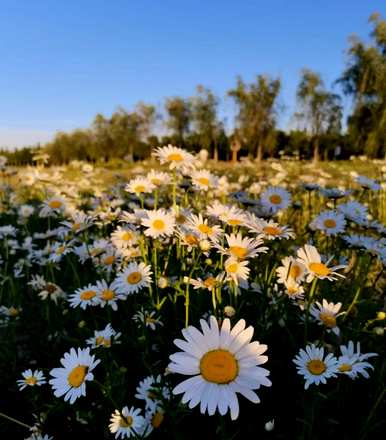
<point x="275" y="198"/>
<point x="104" y="338"/>
<point x="367" y="183"/>
<point x="31" y="379"/>
<point x="240" y="247"/>
<point x="326" y="313"/>
<point x="107" y="295"/>
<point x="354" y="211"/>
<point x="203" y="180"/>
<point x="329" y="222"/>
<point x="158" y="223"/>
<point x="291" y="269"/>
<point x="158" y="178"/>
<point x="154" y="416"/>
<point x="83" y="297"/>
<point x="53" y="206"/>
<point x="314" y="367"/>
<point x="352" y="363"/>
<point x="208" y="283"/>
<point x="269" y="230"/>
<point x="126" y="423"/>
<point x="200" y="226"/>
<point x="70" y="380"/>
<point x="124" y="237"/>
<point x="310" y="257"/>
<point x="223" y="362"/>
<point x="176" y="158"/>
<point x="236" y="270"/>
<point x="133" y="278"/>
<point x="152" y="390"/>
<point x="79" y="222"/>
<point x="140" y="185"/>
<point x="148" y="319"/>
<point x="293" y="289"/>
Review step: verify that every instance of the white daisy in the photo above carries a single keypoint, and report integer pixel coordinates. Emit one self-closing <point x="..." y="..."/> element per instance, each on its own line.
<point x="269" y="230"/>
<point x="203" y="180"/>
<point x="330" y="222"/>
<point x="176" y="158"/>
<point x="140" y="185"/>
<point x="368" y="183"/>
<point x="158" y="178"/>
<point x="149" y="319"/>
<point x="291" y="270"/>
<point x="84" y="297"/>
<point x="133" y="278"/>
<point x="275" y="198"/>
<point x="314" y="367"/>
<point x="126" y="423"/>
<point x="223" y="362"/>
<point x="236" y="270"/>
<point x="158" y="223"/>
<point x="151" y="389"/>
<point x="200" y="226"/>
<point x="326" y="313"/>
<point x="104" y="338"/>
<point x="352" y="363"/>
<point x="354" y="211"/>
<point x="31" y="379"/>
<point x="240" y="247"/>
<point x="107" y="294"/>
<point x="70" y="380"/>
<point x="124" y="237"/>
<point x="310" y="257"/>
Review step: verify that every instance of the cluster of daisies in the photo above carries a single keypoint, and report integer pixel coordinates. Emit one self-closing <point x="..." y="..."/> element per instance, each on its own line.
<point x="184" y="237"/>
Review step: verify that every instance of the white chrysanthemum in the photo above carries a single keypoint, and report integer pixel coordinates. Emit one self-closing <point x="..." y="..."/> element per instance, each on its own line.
<point x="240" y="247"/>
<point x="70" y="380"/>
<point x="236" y="270"/>
<point x="223" y="362"/>
<point x="352" y="363"/>
<point x="133" y="278"/>
<point x="314" y="367"/>
<point x="275" y="198"/>
<point x="158" y="223"/>
<point x="83" y="297"/>
<point x="31" y="379"/>
<point x="326" y="313"/>
<point x="107" y="295"/>
<point x="104" y="338"/>
<point x="330" y="222"/>
<point x="291" y="269"/>
<point x="200" y="226"/>
<point x="126" y="423"/>
<point x="310" y="257"/>
<point x="176" y="158"/>
<point x="203" y="180"/>
<point x="140" y="185"/>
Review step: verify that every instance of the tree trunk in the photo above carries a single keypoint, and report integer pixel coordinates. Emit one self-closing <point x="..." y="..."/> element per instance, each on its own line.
<point x="260" y="152"/>
<point x="316" y="150"/>
<point x="215" y="153"/>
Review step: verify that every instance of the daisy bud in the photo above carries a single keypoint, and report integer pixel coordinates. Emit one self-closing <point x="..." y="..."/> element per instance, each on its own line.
<point x="205" y="245"/>
<point x="381" y="316"/>
<point x="81" y="324"/>
<point x="208" y="262"/>
<point x="186" y="280"/>
<point x="229" y="311"/>
<point x="379" y="331"/>
<point x="162" y="282"/>
<point x="269" y="425"/>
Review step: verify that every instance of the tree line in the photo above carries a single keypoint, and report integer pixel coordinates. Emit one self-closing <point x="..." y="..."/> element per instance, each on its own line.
<point x="194" y="123"/>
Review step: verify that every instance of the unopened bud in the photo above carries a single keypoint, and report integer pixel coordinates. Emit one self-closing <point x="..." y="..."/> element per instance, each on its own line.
<point x="229" y="311"/>
<point x="162" y="282"/>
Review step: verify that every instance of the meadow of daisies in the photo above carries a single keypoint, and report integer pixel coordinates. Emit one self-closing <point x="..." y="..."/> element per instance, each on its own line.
<point x="180" y="298"/>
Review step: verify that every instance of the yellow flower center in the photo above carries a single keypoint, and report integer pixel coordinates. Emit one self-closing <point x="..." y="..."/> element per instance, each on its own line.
<point x="127" y="236"/>
<point x="319" y="269"/>
<point x="275" y="199"/>
<point x="13" y="312"/>
<point x="50" y="288"/>
<point x="134" y="278"/>
<point x="159" y="225"/>
<point x="55" y="204"/>
<point x="107" y="295"/>
<point x="191" y="239"/>
<point x="294" y="271"/>
<point x="234" y="222"/>
<point x="150" y="320"/>
<point x="76" y="226"/>
<point x="77" y="376"/>
<point x="125" y="422"/>
<point x="109" y="260"/>
<point x="180" y="219"/>
<point x="210" y="282"/>
<point x="219" y="366"/>
<point x="60" y="250"/>
<point x="100" y="340"/>
<point x="272" y="230"/>
<point x="139" y="188"/>
<point x="316" y="367"/>
<point x="155" y="181"/>
<point x="157" y="419"/>
<point x="239" y="251"/>
<point x="175" y="157"/>
<point x="232" y="267"/>
<point x="87" y="294"/>
<point x="330" y="223"/>
<point x="205" y="229"/>
<point x="31" y="380"/>
<point x="328" y="319"/>
<point x="292" y="290"/>
<point x="204" y="181"/>
<point x="344" y="367"/>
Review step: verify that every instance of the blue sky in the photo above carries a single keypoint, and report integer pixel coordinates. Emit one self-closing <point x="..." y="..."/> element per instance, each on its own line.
<point x="62" y="62"/>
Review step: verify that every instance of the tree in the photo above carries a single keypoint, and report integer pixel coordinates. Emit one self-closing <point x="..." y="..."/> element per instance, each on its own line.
<point x="257" y="111"/>
<point x="364" y="79"/>
<point x="204" y="118"/>
<point x="319" y="109"/>
<point x="179" y="117"/>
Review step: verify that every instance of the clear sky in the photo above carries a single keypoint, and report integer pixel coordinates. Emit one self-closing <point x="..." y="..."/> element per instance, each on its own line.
<point x="61" y="62"/>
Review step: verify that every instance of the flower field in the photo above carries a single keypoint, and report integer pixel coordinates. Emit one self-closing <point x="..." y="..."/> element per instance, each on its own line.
<point x="179" y="297"/>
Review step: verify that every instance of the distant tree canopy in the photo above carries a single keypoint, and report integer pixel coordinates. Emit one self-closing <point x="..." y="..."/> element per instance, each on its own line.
<point x="194" y="122"/>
